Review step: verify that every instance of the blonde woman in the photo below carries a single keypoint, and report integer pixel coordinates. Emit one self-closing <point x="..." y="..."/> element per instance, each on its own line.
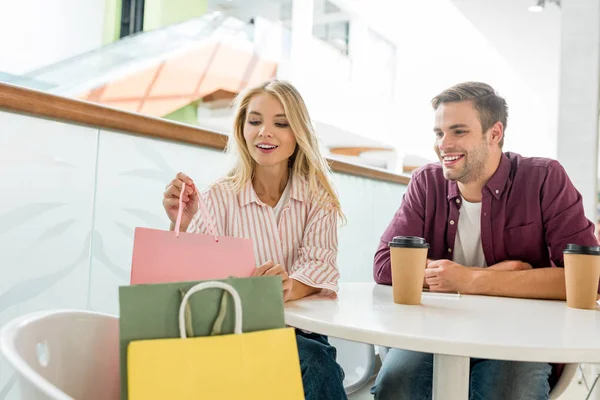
<point x="278" y="194"/>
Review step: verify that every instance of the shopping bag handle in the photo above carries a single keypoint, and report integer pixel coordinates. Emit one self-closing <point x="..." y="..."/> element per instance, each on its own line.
<point x="212" y="229"/>
<point x="237" y="303"/>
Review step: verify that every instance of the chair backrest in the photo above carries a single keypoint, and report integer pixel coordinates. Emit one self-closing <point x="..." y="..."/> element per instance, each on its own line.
<point x="564" y="381"/>
<point x="64" y="354"/>
<point x="357" y="360"/>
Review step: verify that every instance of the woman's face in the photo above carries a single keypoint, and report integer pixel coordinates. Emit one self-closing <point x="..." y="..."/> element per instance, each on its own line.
<point x="267" y="132"/>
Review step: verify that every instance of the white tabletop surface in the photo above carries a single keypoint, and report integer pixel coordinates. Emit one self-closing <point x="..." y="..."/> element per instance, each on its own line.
<point x="472" y="326"/>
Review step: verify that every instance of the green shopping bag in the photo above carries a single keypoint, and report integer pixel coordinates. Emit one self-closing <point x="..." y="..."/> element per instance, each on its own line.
<point x="151" y="311"/>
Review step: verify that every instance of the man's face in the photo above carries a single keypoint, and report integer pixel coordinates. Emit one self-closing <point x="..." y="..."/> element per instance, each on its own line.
<point x="460" y="144"/>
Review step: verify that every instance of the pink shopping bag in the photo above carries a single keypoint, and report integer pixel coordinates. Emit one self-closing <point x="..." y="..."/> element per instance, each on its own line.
<point x="164" y="256"/>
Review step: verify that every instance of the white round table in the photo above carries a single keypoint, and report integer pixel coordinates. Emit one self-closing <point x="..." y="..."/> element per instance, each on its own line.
<point x="454" y="328"/>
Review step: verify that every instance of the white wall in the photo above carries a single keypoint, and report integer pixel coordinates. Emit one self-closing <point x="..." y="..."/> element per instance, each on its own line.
<point x="530" y="43"/>
<point x="36" y="33"/>
<point x="438" y="46"/>
<point x="577" y="140"/>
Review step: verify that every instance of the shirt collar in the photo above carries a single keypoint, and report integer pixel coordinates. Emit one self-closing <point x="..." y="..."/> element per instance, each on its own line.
<point x="498" y="181"/>
<point x="495" y="184"/>
<point x="298" y="186"/>
<point x="453" y="192"/>
<point x="248" y="195"/>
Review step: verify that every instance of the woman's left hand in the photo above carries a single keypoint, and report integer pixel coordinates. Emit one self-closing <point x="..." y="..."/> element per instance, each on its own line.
<point x="277" y="270"/>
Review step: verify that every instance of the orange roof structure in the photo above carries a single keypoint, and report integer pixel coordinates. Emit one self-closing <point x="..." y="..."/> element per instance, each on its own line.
<point x="174" y="83"/>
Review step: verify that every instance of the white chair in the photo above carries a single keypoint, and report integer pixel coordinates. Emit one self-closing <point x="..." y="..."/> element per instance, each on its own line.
<point x="563" y="382"/>
<point x="64" y="355"/>
<point x="357" y="360"/>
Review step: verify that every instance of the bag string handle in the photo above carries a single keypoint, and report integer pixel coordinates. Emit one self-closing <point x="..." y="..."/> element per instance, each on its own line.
<point x="237" y="304"/>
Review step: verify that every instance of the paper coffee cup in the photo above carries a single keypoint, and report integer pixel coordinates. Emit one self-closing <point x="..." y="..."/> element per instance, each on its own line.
<point x="408" y="260"/>
<point x="582" y="273"/>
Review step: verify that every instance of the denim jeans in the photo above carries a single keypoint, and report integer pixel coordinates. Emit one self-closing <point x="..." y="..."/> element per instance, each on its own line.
<point x="409" y="375"/>
<point x="322" y="377"/>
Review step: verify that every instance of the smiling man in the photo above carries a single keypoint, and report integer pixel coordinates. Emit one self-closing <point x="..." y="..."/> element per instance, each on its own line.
<point x="497" y="224"/>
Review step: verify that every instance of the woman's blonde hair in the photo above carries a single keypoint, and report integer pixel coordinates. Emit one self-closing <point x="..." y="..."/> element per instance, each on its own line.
<point x="306" y="162"/>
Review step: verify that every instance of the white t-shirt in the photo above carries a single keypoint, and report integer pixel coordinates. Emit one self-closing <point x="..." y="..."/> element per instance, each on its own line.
<point x="283" y="200"/>
<point x="467" y="245"/>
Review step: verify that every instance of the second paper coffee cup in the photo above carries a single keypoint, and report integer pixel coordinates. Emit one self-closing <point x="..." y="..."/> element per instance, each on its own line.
<point x="408" y="260"/>
<point x="582" y="272"/>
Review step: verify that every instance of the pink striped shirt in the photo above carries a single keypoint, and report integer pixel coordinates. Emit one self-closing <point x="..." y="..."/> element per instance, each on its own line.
<point x="304" y="241"/>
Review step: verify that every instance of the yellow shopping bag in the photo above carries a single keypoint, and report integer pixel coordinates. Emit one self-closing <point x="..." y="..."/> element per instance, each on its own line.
<point x="255" y="365"/>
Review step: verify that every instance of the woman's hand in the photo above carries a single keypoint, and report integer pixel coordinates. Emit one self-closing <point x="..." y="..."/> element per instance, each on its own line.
<point x="270" y="269"/>
<point x="190" y="200"/>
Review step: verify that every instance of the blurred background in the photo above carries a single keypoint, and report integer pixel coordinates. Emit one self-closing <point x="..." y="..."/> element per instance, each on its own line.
<point x="367" y="69"/>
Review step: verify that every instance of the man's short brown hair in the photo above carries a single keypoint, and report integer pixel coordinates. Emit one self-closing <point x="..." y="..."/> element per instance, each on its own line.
<point x="491" y="107"/>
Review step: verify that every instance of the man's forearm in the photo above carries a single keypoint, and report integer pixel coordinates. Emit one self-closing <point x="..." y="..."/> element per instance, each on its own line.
<point x="539" y="283"/>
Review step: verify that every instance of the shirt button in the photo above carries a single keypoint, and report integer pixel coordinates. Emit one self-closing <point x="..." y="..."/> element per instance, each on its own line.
<point x="497" y="191"/>
<point x="451" y="222"/>
<point x="485" y="214"/>
<point x="449" y="250"/>
<point x="457" y="201"/>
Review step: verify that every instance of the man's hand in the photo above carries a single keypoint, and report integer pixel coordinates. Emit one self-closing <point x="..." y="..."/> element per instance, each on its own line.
<point x="448" y="276"/>
<point x="508" y="265"/>
<point x="510" y="278"/>
<point x="425" y="285"/>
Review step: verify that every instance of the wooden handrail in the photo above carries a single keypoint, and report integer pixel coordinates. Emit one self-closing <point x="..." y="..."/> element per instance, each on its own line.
<point x="41" y="104"/>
